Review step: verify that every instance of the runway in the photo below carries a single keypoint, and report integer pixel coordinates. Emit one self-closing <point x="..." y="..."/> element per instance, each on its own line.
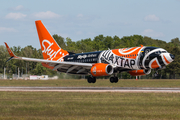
<point x="91" y="89"/>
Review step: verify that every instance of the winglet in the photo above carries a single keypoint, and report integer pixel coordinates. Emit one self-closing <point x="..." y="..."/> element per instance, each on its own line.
<point x="9" y="50"/>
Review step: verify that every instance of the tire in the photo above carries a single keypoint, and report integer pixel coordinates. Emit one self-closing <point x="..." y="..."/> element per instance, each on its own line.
<point x="89" y="80"/>
<point x="112" y="79"/>
<point x="116" y="79"/>
<point x="93" y="80"/>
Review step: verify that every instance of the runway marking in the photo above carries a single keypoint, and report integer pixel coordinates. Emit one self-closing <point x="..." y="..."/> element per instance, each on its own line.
<point x="91" y="89"/>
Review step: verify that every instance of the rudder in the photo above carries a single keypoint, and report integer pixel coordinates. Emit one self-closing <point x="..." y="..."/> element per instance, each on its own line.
<point x="50" y="49"/>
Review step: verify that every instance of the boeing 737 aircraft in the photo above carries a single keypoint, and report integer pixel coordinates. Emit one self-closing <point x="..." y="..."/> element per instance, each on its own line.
<point x="136" y="61"/>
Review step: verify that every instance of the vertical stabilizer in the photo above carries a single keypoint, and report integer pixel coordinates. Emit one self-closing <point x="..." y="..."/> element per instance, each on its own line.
<point x="50" y="49"/>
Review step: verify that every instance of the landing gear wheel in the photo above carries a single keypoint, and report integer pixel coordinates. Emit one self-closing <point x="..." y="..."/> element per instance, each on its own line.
<point x="116" y="79"/>
<point x="113" y="79"/>
<point x="91" y="79"/>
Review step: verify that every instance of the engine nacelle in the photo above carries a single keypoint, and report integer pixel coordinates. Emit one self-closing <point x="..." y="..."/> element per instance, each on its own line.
<point x="101" y="69"/>
<point x="140" y="72"/>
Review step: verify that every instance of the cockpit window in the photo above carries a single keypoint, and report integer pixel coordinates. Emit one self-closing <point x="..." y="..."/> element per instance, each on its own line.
<point x="164" y="52"/>
<point x="158" y="52"/>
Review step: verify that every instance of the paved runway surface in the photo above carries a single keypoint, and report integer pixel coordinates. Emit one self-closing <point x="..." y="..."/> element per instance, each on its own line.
<point x="91" y="89"/>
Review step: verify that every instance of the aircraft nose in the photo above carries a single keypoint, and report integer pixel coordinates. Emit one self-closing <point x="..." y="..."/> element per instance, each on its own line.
<point x="172" y="56"/>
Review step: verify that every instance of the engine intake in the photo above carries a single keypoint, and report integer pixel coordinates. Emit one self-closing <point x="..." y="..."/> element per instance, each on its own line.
<point x="101" y="69"/>
<point x="140" y="72"/>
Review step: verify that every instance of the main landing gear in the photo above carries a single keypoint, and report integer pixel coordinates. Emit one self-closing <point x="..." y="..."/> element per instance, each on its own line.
<point x="113" y="79"/>
<point x="91" y="79"/>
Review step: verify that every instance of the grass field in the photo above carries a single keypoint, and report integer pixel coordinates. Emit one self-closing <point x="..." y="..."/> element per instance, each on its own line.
<point x="90" y="106"/>
<point x="99" y="83"/>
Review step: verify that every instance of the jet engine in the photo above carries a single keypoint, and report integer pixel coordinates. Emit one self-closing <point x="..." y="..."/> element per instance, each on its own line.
<point x="101" y="69"/>
<point x="140" y="72"/>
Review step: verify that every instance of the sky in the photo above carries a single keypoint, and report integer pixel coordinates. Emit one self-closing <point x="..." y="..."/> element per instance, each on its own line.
<point x="81" y="19"/>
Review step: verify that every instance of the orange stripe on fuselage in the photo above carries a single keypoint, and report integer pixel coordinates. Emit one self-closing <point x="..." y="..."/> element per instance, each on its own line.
<point x="154" y="64"/>
<point x="129" y="50"/>
<point x="131" y="55"/>
<point x="166" y="60"/>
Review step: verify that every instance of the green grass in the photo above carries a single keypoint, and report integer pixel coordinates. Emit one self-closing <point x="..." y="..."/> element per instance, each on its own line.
<point x="90" y="106"/>
<point x="99" y="83"/>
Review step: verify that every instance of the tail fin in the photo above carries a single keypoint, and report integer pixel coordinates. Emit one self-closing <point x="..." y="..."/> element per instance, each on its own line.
<point x="50" y="49"/>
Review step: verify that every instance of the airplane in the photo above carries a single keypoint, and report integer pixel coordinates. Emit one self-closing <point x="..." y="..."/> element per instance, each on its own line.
<point x="136" y="61"/>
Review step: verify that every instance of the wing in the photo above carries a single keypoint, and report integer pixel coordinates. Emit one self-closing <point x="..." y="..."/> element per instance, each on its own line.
<point x="66" y="67"/>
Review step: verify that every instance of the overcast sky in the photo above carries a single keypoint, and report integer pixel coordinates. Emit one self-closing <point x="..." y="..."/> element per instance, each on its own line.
<point x="81" y="19"/>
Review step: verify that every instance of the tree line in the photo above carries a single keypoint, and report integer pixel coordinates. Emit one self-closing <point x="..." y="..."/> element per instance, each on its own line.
<point x="99" y="43"/>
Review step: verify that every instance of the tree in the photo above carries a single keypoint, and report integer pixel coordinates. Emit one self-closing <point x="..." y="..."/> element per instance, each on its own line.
<point x="60" y="41"/>
<point x="99" y="43"/>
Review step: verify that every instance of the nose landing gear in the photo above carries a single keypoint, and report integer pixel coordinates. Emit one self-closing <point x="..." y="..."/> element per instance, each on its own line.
<point x="156" y="70"/>
<point x="156" y="74"/>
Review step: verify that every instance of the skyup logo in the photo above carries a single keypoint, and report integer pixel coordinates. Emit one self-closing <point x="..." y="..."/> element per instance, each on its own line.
<point x="48" y="49"/>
